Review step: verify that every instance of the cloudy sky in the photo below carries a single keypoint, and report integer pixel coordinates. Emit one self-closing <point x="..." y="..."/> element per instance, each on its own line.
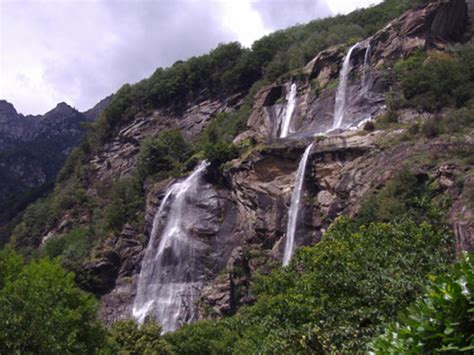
<point x="80" y="51"/>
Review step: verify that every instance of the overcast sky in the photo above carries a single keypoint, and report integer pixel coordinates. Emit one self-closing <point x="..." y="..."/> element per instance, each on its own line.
<point x="80" y="51"/>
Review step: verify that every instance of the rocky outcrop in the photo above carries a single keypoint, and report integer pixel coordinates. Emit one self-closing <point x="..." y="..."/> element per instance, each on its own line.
<point x="118" y="157"/>
<point x="434" y="25"/>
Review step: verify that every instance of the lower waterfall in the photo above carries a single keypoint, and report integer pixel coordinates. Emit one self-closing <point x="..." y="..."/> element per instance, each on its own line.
<point x="169" y="283"/>
<point x="295" y="207"/>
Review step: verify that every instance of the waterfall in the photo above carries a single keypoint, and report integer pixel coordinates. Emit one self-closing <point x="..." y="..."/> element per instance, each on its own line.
<point x="169" y="281"/>
<point x="340" y="107"/>
<point x="365" y="77"/>
<point x="295" y="206"/>
<point x="290" y="107"/>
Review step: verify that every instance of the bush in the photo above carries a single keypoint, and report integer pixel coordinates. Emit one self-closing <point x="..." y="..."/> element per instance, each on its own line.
<point x="406" y="194"/>
<point x="73" y="248"/>
<point x="442" y="321"/>
<point x="204" y="337"/>
<point x="437" y="80"/>
<point x="42" y="312"/>
<point x="353" y="281"/>
<point x="369" y="126"/>
<point x="431" y="128"/>
<point x="163" y="156"/>
<point x="126" y="337"/>
<point x="125" y="201"/>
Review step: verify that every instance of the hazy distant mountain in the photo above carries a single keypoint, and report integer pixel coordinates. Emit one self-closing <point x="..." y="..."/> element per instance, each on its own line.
<point x="34" y="148"/>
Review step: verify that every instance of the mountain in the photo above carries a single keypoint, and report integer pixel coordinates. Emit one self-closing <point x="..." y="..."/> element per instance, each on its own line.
<point x="33" y="150"/>
<point x="341" y="148"/>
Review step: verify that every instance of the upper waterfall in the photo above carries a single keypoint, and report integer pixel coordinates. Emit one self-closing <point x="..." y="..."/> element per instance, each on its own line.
<point x="341" y="94"/>
<point x="366" y="68"/>
<point x="170" y="278"/>
<point x="290" y="107"/>
<point x="295" y="207"/>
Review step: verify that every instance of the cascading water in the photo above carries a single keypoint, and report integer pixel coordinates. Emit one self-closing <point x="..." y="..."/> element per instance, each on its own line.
<point x="295" y="207"/>
<point x="365" y="77"/>
<point x="169" y="280"/>
<point x="341" y="94"/>
<point x="290" y="107"/>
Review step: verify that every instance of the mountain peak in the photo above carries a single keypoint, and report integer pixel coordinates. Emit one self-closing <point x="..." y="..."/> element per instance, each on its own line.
<point x="6" y="108"/>
<point x="63" y="106"/>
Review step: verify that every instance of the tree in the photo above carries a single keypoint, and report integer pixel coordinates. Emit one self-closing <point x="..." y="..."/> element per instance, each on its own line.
<point x="41" y="310"/>
<point x="442" y="321"/>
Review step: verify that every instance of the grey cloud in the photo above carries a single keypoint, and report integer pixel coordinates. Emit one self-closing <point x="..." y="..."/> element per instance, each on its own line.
<point x="86" y="50"/>
<point x="278" y="14"/>
<point x="147" y="35"/>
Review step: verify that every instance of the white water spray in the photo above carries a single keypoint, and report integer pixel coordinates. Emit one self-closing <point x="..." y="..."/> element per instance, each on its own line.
<point x="295" y="207"/>
<point x="341" y="94"/>
<point x="169" y="282"/>
<point x="290" y="107"/>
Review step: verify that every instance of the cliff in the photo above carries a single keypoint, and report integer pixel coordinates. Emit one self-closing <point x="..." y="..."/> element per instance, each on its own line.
<point x="240" y="220"/>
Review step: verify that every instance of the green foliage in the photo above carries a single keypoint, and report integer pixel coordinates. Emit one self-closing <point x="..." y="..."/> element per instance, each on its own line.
<point x="125" y="202"/>
<point x="202" y="338"/>
<point x="431" y="82"/>
<point x="352" y="282"/>
<point x="164" y="156"/>
<point x="369" y="126"/>
<point x="42" y="312"/>
<point x="73" y="248"/>
<point x="127" y="338"/>
<point x="41" y="214"/>
<point x="333" y="297"/>
<point x="406" y="194"/>
<point x="441" y="321"/>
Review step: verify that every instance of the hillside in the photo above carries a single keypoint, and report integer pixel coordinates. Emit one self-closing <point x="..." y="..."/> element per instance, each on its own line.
<point x="294" y="197"/>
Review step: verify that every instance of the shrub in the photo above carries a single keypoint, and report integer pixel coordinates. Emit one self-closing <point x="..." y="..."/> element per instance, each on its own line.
<point x="431" y="128"/>
<point x="406" y="194"/>
<point x="125" y="201"/>
<point x="73" y="248"/>
<point x="126" y="337"/>
<point x="204" y="337"/>
<point x="369" y="126"/>
<point x="437" y="80"/>
<point x="442" y="321"/>
<point x="353" y="281"/>
<point x="163" y="156"/>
